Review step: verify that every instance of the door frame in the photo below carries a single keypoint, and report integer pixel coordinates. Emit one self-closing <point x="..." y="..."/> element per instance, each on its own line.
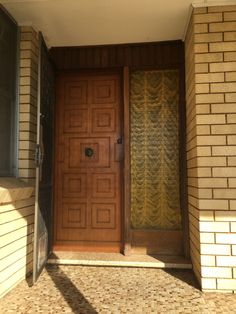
<point x="126" y="175"/>
<point x="127" y="166"/>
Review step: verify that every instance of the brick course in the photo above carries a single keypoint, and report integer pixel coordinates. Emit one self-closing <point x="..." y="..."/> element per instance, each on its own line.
<point x="211" y="145"/>
<point x="28" y="102"/>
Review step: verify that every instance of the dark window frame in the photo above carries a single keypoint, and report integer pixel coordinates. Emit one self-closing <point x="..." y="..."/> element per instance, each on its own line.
<point x="9" y="147"/>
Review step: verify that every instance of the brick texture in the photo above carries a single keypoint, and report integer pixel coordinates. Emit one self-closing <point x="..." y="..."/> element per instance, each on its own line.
<point x="210" y="47"/>
<point x="28" y="102"/>
<point x="17" y="217"/>
<point x="16" y="250"/>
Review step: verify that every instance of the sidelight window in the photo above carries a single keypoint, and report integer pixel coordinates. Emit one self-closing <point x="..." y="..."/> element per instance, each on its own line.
<point x="155" y="198"/>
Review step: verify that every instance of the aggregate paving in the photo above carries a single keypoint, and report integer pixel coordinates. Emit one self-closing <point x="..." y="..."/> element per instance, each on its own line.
<point x="82" y="289"/>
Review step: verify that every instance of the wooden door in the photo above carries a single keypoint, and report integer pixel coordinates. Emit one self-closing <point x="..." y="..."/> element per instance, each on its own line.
<point x="88" y="163"/>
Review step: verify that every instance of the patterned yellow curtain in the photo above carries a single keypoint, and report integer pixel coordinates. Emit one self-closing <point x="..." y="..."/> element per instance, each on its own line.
<point x="155" y="201"/>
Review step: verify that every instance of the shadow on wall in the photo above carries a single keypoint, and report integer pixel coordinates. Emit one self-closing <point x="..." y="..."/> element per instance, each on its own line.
<point x="74" y="298"/>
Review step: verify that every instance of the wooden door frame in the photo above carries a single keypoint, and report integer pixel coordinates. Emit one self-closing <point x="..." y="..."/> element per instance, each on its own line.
<point x="152" y="55"/>
<point x="182" y="158"/>
<point x="127" y="167"/>
<point x="126" y="176"/>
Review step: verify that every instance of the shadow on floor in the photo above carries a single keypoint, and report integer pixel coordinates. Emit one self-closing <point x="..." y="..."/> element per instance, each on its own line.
<point x="29" y="279"/>
<point x="74" y="298"/>
<point x="185" y="275"/>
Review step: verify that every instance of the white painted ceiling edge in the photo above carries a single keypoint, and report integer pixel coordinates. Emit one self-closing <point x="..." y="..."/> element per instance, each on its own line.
<point x="100" y="22"/>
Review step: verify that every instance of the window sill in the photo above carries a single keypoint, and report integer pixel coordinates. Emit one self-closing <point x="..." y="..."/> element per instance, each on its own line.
<point x="13" y="189"/>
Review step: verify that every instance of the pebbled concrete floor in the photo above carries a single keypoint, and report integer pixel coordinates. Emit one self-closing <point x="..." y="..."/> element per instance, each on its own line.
<point x="81" y="289"/>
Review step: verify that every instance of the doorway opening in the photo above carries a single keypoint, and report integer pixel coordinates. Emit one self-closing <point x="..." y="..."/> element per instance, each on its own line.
<point x="119" y="166"/>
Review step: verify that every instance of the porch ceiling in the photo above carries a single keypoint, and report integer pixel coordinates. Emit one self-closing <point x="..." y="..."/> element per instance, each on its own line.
<point x="97" y="22"/>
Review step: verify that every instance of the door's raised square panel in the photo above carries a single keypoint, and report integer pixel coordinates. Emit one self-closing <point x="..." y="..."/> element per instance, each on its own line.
<point x="103" y="185"/>
<point x="74" y="215"/>
<point x="103" y="216"/>
<point x="75" y="185"/>
<point x="104" y="91"/>
<point x="103" y="120"/>
<point x="76" y="121"/>
<point x="76" y="93"/>
<point x="100" y="148"/>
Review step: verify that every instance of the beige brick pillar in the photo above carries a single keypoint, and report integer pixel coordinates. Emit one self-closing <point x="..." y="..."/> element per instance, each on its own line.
<point x="17" y="202"/>
<point x="211" y="145"/>
<point x="28" y="102"/>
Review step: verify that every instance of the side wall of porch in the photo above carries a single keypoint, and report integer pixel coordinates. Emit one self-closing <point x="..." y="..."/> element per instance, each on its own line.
<point x="17" y="194"/>
<point x="210" y="49"/>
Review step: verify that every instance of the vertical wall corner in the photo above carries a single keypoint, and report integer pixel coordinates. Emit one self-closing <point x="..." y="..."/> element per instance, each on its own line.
<point x="210" y="54"/>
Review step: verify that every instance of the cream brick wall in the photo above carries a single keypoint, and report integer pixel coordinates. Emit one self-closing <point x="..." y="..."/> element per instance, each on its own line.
<point x="28" y="102"/>
<point x="211" y="145"/>
<point x="16" y="238"/>
<point x="16" y="200"/>
<point x="192" y="153"/>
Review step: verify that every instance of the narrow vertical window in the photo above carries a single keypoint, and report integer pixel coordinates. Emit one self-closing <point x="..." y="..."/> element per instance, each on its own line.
<point x="155" y="196"/>
<point x="8" y="73"/>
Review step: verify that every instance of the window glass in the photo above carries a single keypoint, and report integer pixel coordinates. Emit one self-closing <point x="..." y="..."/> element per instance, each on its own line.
<point x="8" y="64"/>
<point x="155" y="199"/>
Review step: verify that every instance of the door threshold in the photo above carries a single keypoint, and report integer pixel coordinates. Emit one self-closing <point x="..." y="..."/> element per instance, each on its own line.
<point x="119" y="260"/>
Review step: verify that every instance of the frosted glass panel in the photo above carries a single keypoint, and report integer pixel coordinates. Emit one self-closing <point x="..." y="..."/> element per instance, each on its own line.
<point x="155" y="200"/>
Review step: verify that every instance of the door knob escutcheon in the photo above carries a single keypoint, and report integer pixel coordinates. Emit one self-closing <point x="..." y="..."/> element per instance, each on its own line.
<point x="88" y="152"/>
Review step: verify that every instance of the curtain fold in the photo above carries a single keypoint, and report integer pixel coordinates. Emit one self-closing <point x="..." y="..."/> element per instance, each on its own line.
<point x="154" y="102"/>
